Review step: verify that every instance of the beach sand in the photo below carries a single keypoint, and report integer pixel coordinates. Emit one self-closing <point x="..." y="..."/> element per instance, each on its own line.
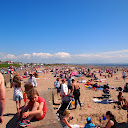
<point x="89" y="108"/>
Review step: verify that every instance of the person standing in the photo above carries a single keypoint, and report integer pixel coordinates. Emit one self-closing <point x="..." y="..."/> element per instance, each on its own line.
<point x="70" y="83"/>
<point x="57" y="86"/>
<point x="76" y="92"/>
<point x="11" y="78"/>
<point x="2" y="97"/>
<point x="64" y="89"/>
<point x="32" y="80"/>
<point x="124" y="75"/>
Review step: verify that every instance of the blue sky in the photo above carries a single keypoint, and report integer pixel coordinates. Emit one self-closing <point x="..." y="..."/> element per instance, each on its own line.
<point x="64" y="30"/>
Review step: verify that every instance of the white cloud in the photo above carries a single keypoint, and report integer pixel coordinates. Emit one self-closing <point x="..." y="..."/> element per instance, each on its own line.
<point x="27" y="55"/>
<point x="63" y="57"/>
<point x="10" y="56"/>
<point x="116" y="52"/>
<point x="42" y="55"/>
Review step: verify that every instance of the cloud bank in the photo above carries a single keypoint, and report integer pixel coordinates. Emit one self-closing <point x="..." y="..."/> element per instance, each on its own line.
<point x="63" y="57"/>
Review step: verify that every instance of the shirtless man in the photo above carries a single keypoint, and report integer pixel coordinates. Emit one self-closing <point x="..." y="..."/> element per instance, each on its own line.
<point x="2" y="97"/>
<point x="76" y="92"/>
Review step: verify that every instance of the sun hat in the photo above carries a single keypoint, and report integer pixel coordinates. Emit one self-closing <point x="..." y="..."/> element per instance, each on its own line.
<point x="88" y="119"/>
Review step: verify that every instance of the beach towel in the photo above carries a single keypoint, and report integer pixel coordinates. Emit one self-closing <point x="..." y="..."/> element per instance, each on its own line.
<point x="96" y="100"/>
<point x="39" y="71"/>
<point x="83" y="81"/>
<point x="103" y="101"/>
<point x="100" y="88"/>
<point x="89" y="87"/>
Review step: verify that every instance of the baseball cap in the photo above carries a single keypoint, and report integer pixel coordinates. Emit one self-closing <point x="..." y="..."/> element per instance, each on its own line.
<point x="63" y="79"/>
<point x="88" y="119"/>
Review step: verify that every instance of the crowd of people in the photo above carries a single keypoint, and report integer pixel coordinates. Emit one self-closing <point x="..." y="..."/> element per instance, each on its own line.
<point x="32" y="101"/>
<point x="73" y="88"/>
<point x="35" y="106"/>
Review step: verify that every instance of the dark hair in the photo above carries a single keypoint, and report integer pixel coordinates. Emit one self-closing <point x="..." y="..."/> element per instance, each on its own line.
<point x="30" y="74"/>
<point x="57" y="79"/>
<point x="112" y="117"/>
<point x="16" y="80"/>
<point x="28" y="86"/>
<point x="17" y="84"/>
<point x="120" y="93"/>
<point x="73" y="80"/>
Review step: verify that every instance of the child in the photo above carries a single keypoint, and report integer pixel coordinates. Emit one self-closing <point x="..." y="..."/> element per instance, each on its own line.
<point x="36" y="106"/>
<point x="89" y="123"/>
<point x="28" y="87"/>
<point x="17" y="95"/>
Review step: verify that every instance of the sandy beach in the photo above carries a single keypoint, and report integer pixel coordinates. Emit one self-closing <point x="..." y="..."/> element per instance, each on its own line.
<point x="89" y="108"/>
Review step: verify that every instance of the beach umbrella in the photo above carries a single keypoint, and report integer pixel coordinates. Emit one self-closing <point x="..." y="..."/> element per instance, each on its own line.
<point x="74" y="73"/>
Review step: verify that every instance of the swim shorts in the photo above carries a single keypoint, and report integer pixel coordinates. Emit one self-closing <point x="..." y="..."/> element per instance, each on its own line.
<point x="40" y="117"/>
<point x="17" y="98"/>
<point x="70" y="87"/>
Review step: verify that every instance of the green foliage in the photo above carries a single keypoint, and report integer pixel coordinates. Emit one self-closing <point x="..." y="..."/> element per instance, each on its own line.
<point x="4" y="65"/>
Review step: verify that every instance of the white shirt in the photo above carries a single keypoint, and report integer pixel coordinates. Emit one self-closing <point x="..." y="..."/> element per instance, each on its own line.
<point x="124" y="73"/>
<point x="33" y="81"/>
<point x="64" y="89"/>
<point x="17" y="92"/>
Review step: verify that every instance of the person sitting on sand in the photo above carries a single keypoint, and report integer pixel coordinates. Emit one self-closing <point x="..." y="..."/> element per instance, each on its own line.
<point x="28" y="87"/>
<point x="65" y="119"/>
<point x="126" y="88"/>
<point x="36" y="106"/>
<point x="120" y="97"/>
<point x="95" y="85"/>
<point x="111" y="120"/>
<point x="89" y="123"/>
<point x="124" y="104"/>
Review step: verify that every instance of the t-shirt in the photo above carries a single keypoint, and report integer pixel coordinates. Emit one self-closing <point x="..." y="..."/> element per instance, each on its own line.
<point x="90" y="125"/>
<point x="70" y="82"/>
<point x="124" y="74"/>
<point x="64" y="89"/>
<point x="56" y="83"/>
<point x="40" y="100"/>
<point x="33" y="81"/>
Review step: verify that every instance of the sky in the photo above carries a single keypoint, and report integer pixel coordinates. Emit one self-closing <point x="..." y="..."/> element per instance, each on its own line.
<point x="64" y="31"/>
